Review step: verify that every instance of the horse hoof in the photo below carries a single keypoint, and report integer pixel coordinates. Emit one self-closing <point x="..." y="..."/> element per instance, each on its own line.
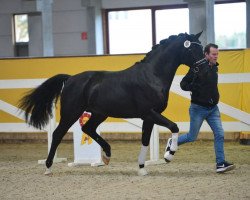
<point x="105" y="159"/>
<point x="48" y="172"/>
<point x="142" y="172"/>
<point x="168" y="157"/>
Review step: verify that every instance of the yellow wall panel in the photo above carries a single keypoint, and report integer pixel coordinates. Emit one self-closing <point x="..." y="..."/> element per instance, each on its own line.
<point x="7" y="118"/>
<point x="246" y="98"/>
<point x="177" y="109"/>
<point x="182" y="70"/>
<point x="231" y="61"/>
<point x="47" y="67"/>
<point x="236" y="95"/>
<point x="231" y="94"/>
<point x="12" y="96"/>
<point x="247" y="61"/>
<point x="226" y="118"/>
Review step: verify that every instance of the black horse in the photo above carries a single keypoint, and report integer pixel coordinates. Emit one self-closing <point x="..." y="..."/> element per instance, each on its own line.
<point x="140" y="91"/>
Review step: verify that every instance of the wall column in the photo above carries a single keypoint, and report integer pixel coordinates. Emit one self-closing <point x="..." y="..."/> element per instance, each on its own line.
<point x="201" y="18"/>
<point x="35" y="34"/>
<point x="45" y="7"/>
<point x="95" y="31"/>
<point x="248" y="23"/>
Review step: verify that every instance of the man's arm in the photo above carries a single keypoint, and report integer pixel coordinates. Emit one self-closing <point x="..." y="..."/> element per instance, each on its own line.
<point x="187" y="81"/>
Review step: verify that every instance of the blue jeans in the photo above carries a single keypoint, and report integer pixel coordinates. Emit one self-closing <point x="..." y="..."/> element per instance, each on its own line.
<point x="212" y="115"/>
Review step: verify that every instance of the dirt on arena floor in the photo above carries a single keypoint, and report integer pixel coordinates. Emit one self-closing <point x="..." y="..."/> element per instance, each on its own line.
<point x="190" y="176"/>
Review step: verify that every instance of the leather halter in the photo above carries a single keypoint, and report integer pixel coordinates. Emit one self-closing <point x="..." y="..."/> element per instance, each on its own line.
<point x="196" y="65"/>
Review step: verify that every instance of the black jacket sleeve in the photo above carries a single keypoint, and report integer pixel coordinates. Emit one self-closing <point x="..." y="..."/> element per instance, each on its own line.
<point x="187" y="81"/>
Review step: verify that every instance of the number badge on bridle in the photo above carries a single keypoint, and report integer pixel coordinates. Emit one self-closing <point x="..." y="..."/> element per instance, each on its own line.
<point x="187" y="44"/>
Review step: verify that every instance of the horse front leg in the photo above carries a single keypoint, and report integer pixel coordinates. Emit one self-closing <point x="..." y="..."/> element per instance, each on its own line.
<point x="172" y="146"/>
<point x="146" y="134"/>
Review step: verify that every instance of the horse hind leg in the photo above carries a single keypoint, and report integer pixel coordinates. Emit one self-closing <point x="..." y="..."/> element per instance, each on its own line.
<point x="90" y="129"/>
<point x="58" y="134"/>
<point x="72" y="106"/>
<point x="66" y="121"/>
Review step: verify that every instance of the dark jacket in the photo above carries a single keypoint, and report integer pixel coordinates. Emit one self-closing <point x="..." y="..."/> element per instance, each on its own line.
<point x="203" y="85"/>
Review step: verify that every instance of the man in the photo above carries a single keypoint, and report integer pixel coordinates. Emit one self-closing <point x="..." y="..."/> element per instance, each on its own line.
<point x="204" y="100"/>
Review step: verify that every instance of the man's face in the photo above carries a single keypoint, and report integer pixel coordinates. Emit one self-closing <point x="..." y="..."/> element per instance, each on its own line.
<point x="213" y="55"/>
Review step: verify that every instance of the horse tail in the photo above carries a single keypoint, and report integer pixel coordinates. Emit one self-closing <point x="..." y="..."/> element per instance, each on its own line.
<point x="38" y="102"/>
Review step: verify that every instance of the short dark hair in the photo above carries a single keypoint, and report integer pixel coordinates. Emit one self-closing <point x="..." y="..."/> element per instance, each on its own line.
<point x="208" y="46"/>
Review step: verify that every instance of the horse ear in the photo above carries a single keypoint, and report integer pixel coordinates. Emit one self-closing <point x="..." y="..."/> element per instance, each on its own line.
<point x="198" y="35"/>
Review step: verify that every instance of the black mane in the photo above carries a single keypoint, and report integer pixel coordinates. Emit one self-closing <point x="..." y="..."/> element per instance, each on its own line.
<point x="165" y="43"/>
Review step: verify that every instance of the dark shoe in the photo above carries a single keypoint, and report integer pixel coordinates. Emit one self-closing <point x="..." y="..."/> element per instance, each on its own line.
<point x="224" y="167"/>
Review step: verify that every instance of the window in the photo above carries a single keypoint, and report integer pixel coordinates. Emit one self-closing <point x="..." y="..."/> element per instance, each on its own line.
<point x="21" y="36"/>
<point x="130" y="31"/>
<point x="230" y="25"/>
<point x="136" y="31"/>
<point x="171" y="22"/>
<point x="21" y="28"/>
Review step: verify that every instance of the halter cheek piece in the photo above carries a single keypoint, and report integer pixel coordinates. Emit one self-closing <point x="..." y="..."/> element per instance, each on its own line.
<point x="196" y="65"/>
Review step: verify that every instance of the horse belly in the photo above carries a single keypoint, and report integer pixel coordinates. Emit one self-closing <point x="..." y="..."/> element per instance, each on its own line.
<point x="126" y="106"/>
<point x="119" y="108"/>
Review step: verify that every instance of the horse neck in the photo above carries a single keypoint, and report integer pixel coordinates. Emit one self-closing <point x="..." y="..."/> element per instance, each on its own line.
<point x="165" y="67"/>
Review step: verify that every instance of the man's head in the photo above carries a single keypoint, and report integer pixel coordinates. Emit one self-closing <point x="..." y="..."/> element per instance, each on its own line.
<point x="211" y="52"/>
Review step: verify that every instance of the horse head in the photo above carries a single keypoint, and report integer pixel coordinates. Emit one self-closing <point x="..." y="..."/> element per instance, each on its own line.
<point x="192" y="51"/>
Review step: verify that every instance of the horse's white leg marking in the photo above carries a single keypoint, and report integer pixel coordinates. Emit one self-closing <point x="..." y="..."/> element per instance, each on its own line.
<point x="141" y="160"/>
<point x="174" y="144"/>
<point x="169" y="155"/>
<point x="142" y="155"/>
